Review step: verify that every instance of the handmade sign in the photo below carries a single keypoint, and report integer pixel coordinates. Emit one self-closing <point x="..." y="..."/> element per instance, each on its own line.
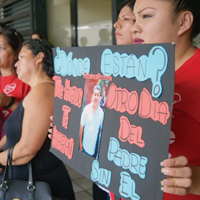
<point x="112" y="115"/>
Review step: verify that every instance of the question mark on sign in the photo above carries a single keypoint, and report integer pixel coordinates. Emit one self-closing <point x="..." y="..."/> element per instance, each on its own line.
<point x="158" y="59"/>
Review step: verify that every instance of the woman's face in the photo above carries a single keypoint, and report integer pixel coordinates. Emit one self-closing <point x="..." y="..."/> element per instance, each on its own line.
<point x="7" y="55"/>
<point x="123" y="26"/>
<point x="25" y="64"/>
<point x="154" y="22"/>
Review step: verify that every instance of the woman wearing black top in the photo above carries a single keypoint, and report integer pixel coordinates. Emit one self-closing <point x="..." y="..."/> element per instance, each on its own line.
<point x="26" y="128"/>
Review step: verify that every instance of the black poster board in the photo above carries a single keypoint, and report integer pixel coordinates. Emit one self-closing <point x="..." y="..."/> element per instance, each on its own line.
<point x="120" y="143"/>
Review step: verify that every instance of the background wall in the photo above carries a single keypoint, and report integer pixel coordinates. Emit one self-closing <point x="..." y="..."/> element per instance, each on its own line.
<point x="93" y="16"/>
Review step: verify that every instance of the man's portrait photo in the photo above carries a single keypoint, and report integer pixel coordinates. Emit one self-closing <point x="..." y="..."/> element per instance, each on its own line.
<point x="92" y="116"/>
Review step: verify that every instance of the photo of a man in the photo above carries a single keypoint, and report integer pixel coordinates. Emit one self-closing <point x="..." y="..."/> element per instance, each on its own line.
<point x="91" y="124"/>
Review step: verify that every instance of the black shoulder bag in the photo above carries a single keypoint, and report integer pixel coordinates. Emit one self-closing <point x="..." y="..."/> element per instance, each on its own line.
<point x="22" y="190"/>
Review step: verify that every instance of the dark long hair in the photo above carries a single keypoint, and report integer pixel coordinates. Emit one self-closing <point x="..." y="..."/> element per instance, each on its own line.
<point x="39" y="45"/>
<point x="129" y="3"/>
<point x="13" y="38"/>
<point x="188" y="5"/>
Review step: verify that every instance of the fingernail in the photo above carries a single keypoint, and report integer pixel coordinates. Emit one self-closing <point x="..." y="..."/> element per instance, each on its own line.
<point x="166" y="182"/>
<point x="165" y="189"/>
<point x="50" y="130"/>
<point x="50" y="136"/>
<point x="165" y="163"/>
<point x="51" y="118"/>
<point x="165" y="171"/>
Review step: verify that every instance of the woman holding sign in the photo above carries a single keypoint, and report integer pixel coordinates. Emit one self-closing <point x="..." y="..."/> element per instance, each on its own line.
<point x="160" y="21"/>
<point x="26" y="128"/>
<point x="123" y="36"/>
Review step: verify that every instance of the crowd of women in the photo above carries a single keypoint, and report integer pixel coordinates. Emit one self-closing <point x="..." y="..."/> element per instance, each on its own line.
<point x="28" y="93"/>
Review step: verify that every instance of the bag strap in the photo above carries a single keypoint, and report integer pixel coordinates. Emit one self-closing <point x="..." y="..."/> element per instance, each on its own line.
<point x="31" y="187"/>
<point x="5" y="176"/>
<point x="4" y="186"/>
<point x="10" y="175"/>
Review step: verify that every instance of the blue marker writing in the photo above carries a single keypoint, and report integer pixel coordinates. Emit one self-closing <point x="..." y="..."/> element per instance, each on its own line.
<point x="127" y="186"/>
<point x="122" y="158"/>
<point x="151" y="67"/>
<point x="64" y="64"/>
<point x="103" y="176"/>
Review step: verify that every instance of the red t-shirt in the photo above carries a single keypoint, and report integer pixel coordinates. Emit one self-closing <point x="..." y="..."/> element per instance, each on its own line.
<point x="185" y="128"/>
<point x="13" y="87"/>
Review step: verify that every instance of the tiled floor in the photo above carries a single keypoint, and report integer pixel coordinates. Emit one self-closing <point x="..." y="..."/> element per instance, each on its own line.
<point x="82" y="186"/>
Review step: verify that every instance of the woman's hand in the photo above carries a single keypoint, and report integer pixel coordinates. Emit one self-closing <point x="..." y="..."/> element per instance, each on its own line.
<point x="4" y="99"/>
<point x="179" y="176"/>
<point x="51" y="127"/>
<point x="1" y="170"/>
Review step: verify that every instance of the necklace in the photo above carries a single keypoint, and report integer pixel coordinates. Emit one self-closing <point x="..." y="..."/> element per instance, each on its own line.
<point x="38" y="80"/>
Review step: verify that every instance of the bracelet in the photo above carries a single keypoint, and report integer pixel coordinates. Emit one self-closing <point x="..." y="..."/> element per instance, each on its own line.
<point x="11" y="103"/>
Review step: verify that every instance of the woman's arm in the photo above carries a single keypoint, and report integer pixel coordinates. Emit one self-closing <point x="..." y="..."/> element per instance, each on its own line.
<point x="182" y="178"/>
<point x="2" y="142"/>
<point x="38" y="106"/>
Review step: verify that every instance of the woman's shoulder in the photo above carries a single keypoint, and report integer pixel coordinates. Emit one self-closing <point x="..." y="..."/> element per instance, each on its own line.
<point x="194" y="61"/>
<point x="44" y="87"/>
<point x="42" y="93"/>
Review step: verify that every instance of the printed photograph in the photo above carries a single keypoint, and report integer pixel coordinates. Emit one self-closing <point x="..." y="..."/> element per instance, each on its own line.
<point x="92" y="116"/>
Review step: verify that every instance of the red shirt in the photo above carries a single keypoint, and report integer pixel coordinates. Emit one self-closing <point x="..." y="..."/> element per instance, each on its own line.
<point x="185" y="128"/>
<point x="13" y="87"/>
